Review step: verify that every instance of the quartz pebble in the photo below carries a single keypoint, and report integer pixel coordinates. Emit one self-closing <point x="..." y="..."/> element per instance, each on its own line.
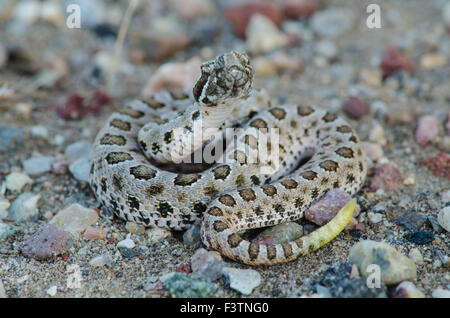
<point x="101" y="260"/>
<point x="126" y="243"/>
<point x="263" y="36"/>
<point x="427" y="130"/>
<point x="156" y="234"/>
<point x="52" y="291"/>
<point x="444" y="218"/>
<point x="242" y="280"/>
<point x="416" y="256"/>
<point x="74" y="219"/>
<point x="16" y="181"/>
<point x="394" y="266"/>
<point x="24" y="206"/>
<point x="432" y="61"/>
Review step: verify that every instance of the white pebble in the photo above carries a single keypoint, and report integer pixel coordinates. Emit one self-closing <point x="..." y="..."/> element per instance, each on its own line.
<point x="126" y="243"/>
<point x="415" y="256"/>
<point x="100" y="260"/>
<point x="242" y="280"/>
<point x="16" y="181"/>
<point x="441" y="293"/>
<point x="444" y="218"/>
<point x="375" y="217"/>
<point x="52" y="291"/>
<point x="156" y="234"/>
<point x="39" y="131"/>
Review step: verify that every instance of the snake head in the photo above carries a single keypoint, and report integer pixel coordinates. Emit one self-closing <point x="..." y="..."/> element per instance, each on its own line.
<point x="228" y="76"/>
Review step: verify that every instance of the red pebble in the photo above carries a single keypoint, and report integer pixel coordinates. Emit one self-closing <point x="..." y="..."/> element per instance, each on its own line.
<point x="439" y="164"/>
<point x="77" y="106"/>
<point x="394" y="60"/>
<point x="183" y="268"/>
<point x="96" y="102"/>
<point x="355" y="107"/>
<point x="387" y="177"/>
<point x="299" y="9"/>
<point x="239" y="15"/>
<point x="427" y="130"/>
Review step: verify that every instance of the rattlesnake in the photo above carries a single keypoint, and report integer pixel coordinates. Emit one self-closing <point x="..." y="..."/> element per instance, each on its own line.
<point x="139" y="170"/>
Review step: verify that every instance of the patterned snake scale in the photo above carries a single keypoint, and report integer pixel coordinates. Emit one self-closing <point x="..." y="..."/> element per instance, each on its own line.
<point x="137" y="169"/>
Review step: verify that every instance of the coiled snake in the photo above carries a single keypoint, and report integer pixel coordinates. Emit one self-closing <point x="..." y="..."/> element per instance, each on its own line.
<point x="145" y="164"/>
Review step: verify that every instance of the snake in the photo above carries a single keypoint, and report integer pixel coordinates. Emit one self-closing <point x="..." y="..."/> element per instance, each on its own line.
<point x="226" y="157"/>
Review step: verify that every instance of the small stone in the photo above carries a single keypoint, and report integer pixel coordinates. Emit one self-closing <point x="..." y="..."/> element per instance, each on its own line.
<point x="208" y="264"/>
<point x="372" y="150"/>
<point x="182" y="285"/>
<point x="355" y="107"/>
<point x="192" y="237"/>
<point x="325" y="208"/>
<point x="411" y="220"/>
<point x="60" y="165"/>
<point x="11" y="138"/>
<point x="333" y="22"/>
<point x="2" y="290"/>
<point x="393" y="61"/>
<point x="80" y="169"/>
<point x="126" y="243"/>
<point x="37" y="166"/>
<point x="93" y="233"/>
<point x="439" y="164"/>
<point x="156" y="234"/>
<point x="409" y="181"/>
<point x="394" y="266"/>
<point x="440" y="293"/>
<point x="135" y="228"/>
<point x="279" y="234"/>
<point x="16" y="181"/>
<point x="24" y="206"/>
<point x="377" y="135"/>
<point x="375" y="217"/>
<point x="420" y="237"/>
<point x="47" y="242"/>
<point x="171" y="76"/>
<point x="444" y="218"/>
<point x="242" y="280"/>
<point x="52" y="291"/>
<point x="371" y="77"/>
<point x="327" y="49"/>
<point x="77" y="150"/>
<point x="39" y="131"/>
<point x="386" y="177"/>
<point x="407" y="290"/>
<point x="263" y="36"/>
<point x="74" y="219"/>
<point x="416" y="256"/>
<point x="100" y="260"/>
<point x="427" y="130"/>
<point x="239" y="15"/>
<point x="299" y="9"/>
<point x="432" y="61"/>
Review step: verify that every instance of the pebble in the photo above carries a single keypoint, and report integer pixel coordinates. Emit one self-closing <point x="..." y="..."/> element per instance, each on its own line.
<point x="432" y="61"/>
<point x="182" y="285"/>
<point x="299" y="9"/>
<point x="279" y="234"/>
<point x="407" y="290"/>
<point x="37" y="166"/>
<point x="156" y="234"/>
<point x="52" y="291"/>
<point x="420" y="237"/>
<point x="2" y="290"/>
<point x="191" y="9"/>
<point x="333" y="22"/>
<point x="77" y="150"/>
<point x="208" y="264"/>
<point x="239" y="15"/>
<point x="444" y="218"/>
<point x="371" y="77"/>
<point x="416" y="256"/>
<point x="355" y="107"/>
<point x="411" y="220"/>
<point x="7" y="230"/>
<point x="101" y="260"/>
<point x="439" y="164"/>
<point x="74" y="219"/>
<point x="173" y="75"/>
<point x="126" y="243"/>
<point x="80" y="169"/>
<point x="393" y="61"/>
<point x="11" y="138"/>
<point x="263" y="36"/>
<point x="427" y="130"/>
<point x="409" y="181"/>
<point x="394" y="266"/>
<point x="375" y="217"/>
<point x="4" y="205"/>
<point x="47" y="242"/>
<point x="192" y="237"/>
<point x="242" y="280"/>
<point x="387" y="177"/>
<point x="372" y="150"/>
<point x="93" y="233"/>
<point x="440" y="293"/>
<point x="16" y="181"/>
<point x="327" y="49"/>
<point x="39" y="131"/>
<point x="60" y="165"/>
<point x="135" y="228"/>
<point x="24" y="206"/>
<point x="323" y="210"/>
<point x="377" y="135"/>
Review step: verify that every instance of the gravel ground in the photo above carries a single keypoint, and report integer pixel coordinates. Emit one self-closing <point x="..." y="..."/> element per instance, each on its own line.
<point x="58" y="86"/>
